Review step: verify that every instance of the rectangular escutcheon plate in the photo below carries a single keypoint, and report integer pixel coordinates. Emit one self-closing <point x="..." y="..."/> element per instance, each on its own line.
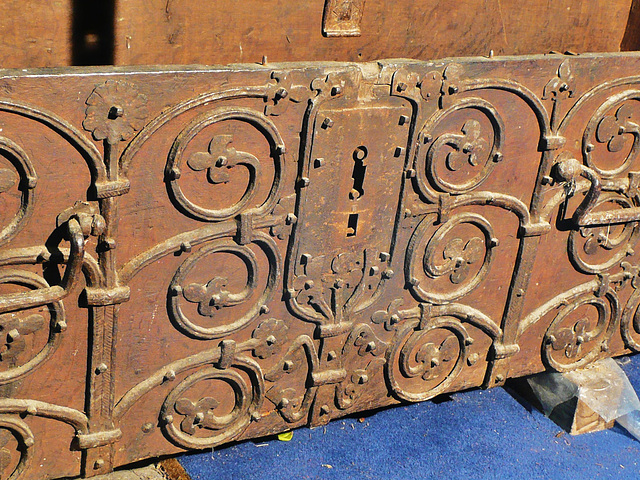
<point x="355" y="177"/>
<point x="195" y="256"/>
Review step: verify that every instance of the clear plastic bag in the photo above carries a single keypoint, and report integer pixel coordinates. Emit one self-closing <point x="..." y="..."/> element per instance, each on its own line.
<point x="603" y="387"/>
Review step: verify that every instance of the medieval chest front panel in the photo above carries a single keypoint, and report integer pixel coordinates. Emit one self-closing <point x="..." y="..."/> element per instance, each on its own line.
<point x="200" y="255"/>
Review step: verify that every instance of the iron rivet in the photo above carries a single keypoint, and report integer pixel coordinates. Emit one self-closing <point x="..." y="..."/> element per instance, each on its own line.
<point x="318" y="162"/>
<point x="44" y="256"/>
<point x="331" y="355"/>
<point x="264" y="309"/>
<point x="174" y="173"/>
<point x="324" y="409"/>
<point x="304" y="182"/>
<point x="589" y="147"/>
<point x="29" y="442"/>
<point x="494" y="242"/>
<point x="221" y="162"/>
<point x="374" y="270"/>
<point x="31" y="183"/>
<point x="98" y="464"/>
<point x="185" y="247"/>
<point x="31" y="410"/>
<point x="170" y="375"/>
<point x="497" y="158"/>
<point x="337" y="90"/>
<point x="384" y="256"/>
<point x="147" y="427"/>
<point x="283" y="403"/>
<point x="473" y="358"/>
<point x="414" y="281"/>
<point x="176" y="290"/>
<point x="291" y="219"/>
<point x="499" y="378"/>
<point x="287" y="365"/>
<point x="403" y="119"/>
<point x="61" y="326"/>
<point x="109" y="244"/>
<point x="411" y="173"/>
<point x="453" y="89"/>
<point x="547" y="180"/>
<point x="308" y="285"/>
<point x="168" y="419"/>
<point x="327" y="123"/>
<point x="401" y="87"/>
<point x="115" y="112"/>
<point x="398" y="151"/>
<point x="388" y="273"/>
<point x="13" y="334"/>
<point x="427" y="138"/>
<point x="101" y="368"/>
<point x="282" y="93"/>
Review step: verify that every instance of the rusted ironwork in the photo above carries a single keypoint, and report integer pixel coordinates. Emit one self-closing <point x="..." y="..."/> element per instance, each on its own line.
<point x="192" y="256"/>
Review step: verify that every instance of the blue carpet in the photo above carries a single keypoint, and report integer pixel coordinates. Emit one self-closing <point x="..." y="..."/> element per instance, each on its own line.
<point x="475" y="435"/>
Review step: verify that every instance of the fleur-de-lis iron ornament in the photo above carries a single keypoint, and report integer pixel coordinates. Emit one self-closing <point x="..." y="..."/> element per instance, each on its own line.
<point x="389" y="317"/>
<point x="460" y="255"/>
<point x="467" y="147"/>
<point x="612" y="128"/>
<point x="560" y="86"/>
<point x="437" y="357"/>
<point x="283" y="93"/>
<point x="597" y="238"/>
<point x="219" y="158"/>
<point x="571" y="339"/>
<point x="210" y="297"/>
<point x="197" y="415"/>
<point x="13" y="329"/>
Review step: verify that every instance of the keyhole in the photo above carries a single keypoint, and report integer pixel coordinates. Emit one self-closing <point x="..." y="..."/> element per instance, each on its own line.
<point x="352" y="225"/>
<point x="359" y="169"/>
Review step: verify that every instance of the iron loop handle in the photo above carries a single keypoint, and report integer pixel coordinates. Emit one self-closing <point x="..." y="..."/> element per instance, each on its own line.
<point x="43" y="296"/>
<point x="567" y="171"/>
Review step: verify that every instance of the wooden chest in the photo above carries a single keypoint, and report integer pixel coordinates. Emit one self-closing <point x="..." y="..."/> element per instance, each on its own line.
<point x="195" y="255"/>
